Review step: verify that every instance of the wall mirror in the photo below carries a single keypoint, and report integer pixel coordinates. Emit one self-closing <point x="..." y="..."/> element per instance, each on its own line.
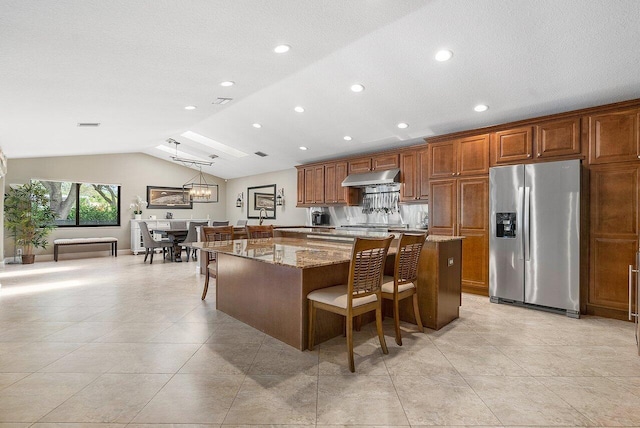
<point x="261" y="197"/>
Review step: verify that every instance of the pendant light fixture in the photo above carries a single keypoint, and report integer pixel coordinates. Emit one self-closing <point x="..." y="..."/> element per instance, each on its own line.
<point x="197" y="188"/>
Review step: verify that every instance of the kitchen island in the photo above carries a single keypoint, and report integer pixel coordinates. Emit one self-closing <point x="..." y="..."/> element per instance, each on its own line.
<point x="265" y="282"/>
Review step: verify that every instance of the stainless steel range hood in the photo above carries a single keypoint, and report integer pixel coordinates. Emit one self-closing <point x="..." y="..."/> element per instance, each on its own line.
<point x="373" y="178"/>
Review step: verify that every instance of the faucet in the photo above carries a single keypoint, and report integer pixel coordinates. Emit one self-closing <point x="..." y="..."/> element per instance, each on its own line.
<point x="262" y="210"/>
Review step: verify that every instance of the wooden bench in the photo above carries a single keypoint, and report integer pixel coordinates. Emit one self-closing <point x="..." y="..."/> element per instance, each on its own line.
<point x="83" y="241"/>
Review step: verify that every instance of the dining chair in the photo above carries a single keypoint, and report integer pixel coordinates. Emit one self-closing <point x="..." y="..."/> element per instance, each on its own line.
<point x="192" y="236"/>
<point x="242" y="223"/>
<point x="151" y="244"/>
<point x="360" y="295"/>
<point x="405" y="273"/>
<point x="212" y="234"/>
<point x="259" y="232"/>
<point x="220" y="223"/>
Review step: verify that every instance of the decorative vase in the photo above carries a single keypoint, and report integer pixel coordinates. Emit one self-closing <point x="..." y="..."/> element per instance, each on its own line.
<point x="28" y="259"/>
<point x="138" y="216"/>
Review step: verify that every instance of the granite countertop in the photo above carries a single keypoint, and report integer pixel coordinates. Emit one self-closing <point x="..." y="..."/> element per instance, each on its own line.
<point x="337" y="232"/>
<point x="293" y="252"/>
<point x="443" y="238"/>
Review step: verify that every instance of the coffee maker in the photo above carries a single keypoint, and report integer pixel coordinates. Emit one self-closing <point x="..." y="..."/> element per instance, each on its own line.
<point x="318" y="218"/>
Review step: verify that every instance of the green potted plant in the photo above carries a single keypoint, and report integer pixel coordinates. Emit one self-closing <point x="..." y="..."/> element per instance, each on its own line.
<point x="28" y="215"/>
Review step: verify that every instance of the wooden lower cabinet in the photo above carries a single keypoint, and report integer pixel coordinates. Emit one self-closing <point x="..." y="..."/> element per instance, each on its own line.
<point x="461" y="207"/>
<point x="613" y="237"/>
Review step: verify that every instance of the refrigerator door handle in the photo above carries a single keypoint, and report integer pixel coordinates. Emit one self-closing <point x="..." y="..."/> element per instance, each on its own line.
<point x="526" y="233"/>
<point x="631" y="272"/>
<point x="519" y="218"/>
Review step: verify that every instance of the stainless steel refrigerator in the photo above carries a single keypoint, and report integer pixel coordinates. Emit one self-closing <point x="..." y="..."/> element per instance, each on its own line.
<point x="534" y="243"/>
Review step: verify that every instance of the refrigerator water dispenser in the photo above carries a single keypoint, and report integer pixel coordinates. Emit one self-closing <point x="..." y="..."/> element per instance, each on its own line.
<point x="505" y="225"/>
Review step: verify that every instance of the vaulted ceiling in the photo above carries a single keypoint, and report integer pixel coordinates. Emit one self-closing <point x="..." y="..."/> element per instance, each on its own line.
<point x="133" y="67"/>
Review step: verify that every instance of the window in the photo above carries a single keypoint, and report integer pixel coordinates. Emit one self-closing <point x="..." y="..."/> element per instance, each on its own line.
<point x="84" y="204"/>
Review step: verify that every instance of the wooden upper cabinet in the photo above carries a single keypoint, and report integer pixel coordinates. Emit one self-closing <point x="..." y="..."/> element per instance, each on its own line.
<point x="357" y="166"/>
<point x="318" y="183"/>
<point x="473" y="155"/>
<point x="408" y="174"/>
<point x="375" y="163"/>
<point x="300" y="198"/>
<point x="557" y="138"/>
<point x="512" y="146"/>
<point x="386" y="161"/>
<point x="414" y="168"/>
<point x="614" y="137"/>
<point x="309" y="185"/>
<point x="330" y="189"/>
<point x="442" y="159"/>
<point x="464" y="156"/>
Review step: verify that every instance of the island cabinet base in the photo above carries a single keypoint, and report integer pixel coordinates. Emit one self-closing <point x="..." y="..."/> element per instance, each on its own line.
<point x="273" y="298"/>
<point x="439" y="285"/>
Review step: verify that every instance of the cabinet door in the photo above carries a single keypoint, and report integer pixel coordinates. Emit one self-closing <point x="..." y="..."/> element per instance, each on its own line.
<point x="614" y="137"/>
<point x="309" y="187"/>
<point x="330" y="189"/>
<point x="388" y="161"/>
<point x="422" y="183"/>
<point x="473" y="224"/>
<point x="443" y="207"/>
<point x="300" y="198"/>
<point x="359" y="165"/>
<point x="558" y="138"/>
<point x="408" y="176"/>
<point x="613" y="235"/>
<point x="473" y="155"/>
<point x="442" y="159"/>
<point x="345" y="195"/>
<point x="512" y="146"/>
<point x="318" y="184"/>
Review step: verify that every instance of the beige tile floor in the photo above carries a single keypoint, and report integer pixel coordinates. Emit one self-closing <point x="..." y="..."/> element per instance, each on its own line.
<point x="112" y="342"/>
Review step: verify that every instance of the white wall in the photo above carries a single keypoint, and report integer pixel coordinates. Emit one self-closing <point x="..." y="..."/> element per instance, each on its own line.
<point x="134" y="172"/>
<point x="287" y="215"/>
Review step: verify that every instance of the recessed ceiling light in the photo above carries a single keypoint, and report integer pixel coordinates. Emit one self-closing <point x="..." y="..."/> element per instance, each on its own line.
<point x="444" y="55"/>
<point x="282" y="48"/>
<point x="190" y="107"/>
<point x="302" y="148"/>
<point x="257" y="125"/>
<point x="347" y="138"/>
<point x="403" y="125"/>
<point x="299" y="109"/>
<point x="357" y="87"/>
<point x="227" y="83"/>
<point x="481" y="107"/>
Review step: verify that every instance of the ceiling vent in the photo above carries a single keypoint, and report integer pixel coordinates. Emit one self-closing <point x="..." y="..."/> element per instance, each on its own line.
<point x="222" y="101"/>
<point x="88" y="124"/>
<point x="261" y="154"/>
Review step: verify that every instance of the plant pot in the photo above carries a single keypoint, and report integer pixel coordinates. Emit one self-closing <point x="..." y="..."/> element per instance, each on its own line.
<point x="138" y="216"/>
<point x="28" y="259"/>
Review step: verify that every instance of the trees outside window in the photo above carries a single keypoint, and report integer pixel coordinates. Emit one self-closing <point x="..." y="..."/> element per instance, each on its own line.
<point x="84" y="204"/>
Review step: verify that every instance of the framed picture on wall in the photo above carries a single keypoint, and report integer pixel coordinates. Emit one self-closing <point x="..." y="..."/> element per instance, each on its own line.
<point x="168" y="197"/>
<point x="261" y="198"/>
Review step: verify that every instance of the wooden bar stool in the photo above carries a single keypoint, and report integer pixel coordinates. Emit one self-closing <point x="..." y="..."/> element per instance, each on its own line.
<point x="405" y="272"/>
<point x="259" y="232"/>
<point x="212" y="234"/>
<point x="360" y="295"/>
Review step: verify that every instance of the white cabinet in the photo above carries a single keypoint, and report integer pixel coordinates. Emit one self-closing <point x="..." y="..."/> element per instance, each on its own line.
<point x="163" y="224"/>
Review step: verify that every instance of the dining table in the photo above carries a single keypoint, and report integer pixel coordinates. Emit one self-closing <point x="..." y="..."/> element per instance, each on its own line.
<point x="176" y="237"/>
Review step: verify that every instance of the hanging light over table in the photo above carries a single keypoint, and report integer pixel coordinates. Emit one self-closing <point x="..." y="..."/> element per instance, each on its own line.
<point x="198" y="188"/>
